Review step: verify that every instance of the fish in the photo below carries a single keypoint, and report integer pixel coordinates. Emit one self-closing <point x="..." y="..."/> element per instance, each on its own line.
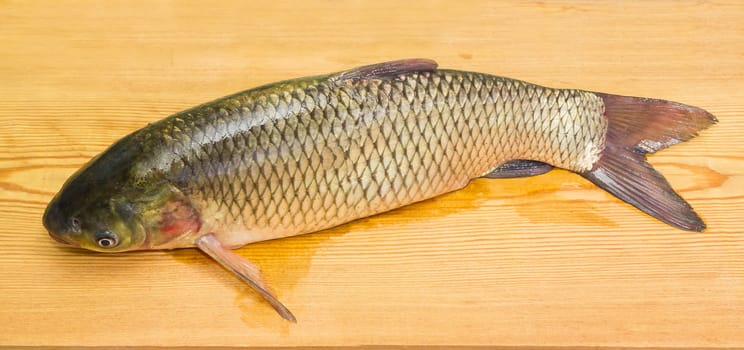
<point x="303" y="155"/>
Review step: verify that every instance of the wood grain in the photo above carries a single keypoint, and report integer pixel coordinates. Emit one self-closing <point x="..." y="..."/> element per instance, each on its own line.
<point x="543" y="261"/>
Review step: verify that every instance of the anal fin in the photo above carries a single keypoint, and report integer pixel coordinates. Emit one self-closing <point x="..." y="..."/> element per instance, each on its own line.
<point x="519" y="168"/>
<point x="244" y="269"/>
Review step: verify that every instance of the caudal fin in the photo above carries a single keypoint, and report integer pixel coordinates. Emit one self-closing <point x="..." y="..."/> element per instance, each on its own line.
<point x="638" y="126"/>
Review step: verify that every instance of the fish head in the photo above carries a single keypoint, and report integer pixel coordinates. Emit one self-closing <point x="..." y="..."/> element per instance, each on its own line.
<point x="91" y="210"/>
<point x="138" y="219"/>
<point x="110" y="205"/>
<point x="106" y="218"/>
<point x="93" y="219"/>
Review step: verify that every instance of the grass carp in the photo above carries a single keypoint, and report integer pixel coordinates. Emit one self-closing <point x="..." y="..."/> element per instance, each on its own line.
<point x="303" y="155"/>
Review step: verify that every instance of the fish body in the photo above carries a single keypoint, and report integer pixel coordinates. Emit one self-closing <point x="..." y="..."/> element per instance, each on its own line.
<point x="308" y="154"/>
<point x="305" y="155"/>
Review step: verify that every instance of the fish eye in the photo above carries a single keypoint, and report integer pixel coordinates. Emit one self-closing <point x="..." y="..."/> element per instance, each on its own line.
<point x="106" y="239"/>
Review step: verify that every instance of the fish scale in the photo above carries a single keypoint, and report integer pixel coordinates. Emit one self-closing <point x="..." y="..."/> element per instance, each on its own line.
<point x="309" y="154"/>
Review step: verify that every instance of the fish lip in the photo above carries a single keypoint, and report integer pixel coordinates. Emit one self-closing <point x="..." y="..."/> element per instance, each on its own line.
<point x="59" y="239"/>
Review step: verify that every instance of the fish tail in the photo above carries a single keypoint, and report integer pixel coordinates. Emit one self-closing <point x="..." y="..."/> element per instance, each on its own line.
<point x="636" y="127"/>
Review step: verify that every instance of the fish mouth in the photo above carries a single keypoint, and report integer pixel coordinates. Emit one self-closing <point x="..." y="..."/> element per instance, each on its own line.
<point x="59" y="239"/>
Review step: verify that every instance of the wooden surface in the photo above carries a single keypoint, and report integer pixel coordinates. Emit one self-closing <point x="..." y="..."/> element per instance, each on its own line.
<point x="546" y="261"/>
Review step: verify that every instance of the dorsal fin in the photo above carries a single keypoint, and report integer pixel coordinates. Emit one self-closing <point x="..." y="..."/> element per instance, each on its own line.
<point x="387" y="69"/>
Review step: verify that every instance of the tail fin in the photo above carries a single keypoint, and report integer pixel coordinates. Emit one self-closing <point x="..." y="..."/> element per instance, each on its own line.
<point x="638" y="126"/>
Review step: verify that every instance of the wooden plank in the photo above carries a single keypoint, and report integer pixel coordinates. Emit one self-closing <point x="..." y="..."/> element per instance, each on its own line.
<point x="543" y="261"/>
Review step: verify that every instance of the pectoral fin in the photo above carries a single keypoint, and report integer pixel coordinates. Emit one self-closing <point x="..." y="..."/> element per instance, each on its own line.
<point x="244" y="269"/>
